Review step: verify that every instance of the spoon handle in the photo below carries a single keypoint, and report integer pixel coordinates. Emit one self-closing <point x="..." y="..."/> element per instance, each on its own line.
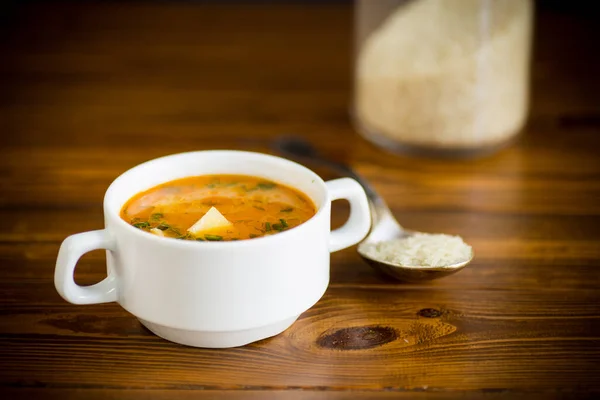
<point x="301" y="149"/>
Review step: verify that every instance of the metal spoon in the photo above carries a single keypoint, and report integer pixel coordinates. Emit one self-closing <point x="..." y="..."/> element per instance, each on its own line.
<point x="385" y="227"/>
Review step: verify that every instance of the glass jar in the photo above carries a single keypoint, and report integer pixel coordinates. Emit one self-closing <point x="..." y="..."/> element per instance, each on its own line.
<point x="448" y="76"/>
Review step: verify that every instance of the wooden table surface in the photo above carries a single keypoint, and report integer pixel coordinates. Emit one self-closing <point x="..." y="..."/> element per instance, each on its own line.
<point x="90" y="90"/>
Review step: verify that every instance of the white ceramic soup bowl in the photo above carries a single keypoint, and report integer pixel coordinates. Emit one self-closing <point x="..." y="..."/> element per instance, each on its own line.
<point x="215" y="294"/>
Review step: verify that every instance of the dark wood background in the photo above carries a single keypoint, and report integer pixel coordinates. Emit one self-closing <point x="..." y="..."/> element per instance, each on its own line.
<point x="89" y="90"/>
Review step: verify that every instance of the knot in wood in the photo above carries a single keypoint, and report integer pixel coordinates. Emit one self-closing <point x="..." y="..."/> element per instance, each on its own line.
<point x="429" y="313"/>
<point x="358" y="338"/>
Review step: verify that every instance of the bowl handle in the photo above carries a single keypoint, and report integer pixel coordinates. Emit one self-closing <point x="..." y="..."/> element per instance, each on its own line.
<point x="359" y="222"/>
<point x="71" y="249"/>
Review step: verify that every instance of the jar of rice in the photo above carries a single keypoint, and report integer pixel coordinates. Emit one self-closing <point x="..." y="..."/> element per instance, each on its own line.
<point x="449" y="76"/>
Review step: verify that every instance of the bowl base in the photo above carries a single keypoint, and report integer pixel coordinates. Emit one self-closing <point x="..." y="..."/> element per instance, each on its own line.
<point x="218" y="339"/>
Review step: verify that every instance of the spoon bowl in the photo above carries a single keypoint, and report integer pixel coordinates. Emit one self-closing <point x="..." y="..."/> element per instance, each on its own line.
<point x="385" y="227"/>
<point x="412" y="274"/>
<point x="407" y="273"/>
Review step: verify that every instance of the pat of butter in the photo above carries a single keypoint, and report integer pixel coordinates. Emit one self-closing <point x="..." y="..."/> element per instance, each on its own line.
<point x="212" y="220"/>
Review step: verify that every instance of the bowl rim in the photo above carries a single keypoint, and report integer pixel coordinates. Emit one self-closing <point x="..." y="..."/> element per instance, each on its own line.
<point x="114" y="215"/>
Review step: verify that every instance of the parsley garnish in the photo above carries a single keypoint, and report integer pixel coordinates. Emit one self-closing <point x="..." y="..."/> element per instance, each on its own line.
<point x="156" y="217"/>
<point x="213" y="238"/>
<point x="265" y="185"/>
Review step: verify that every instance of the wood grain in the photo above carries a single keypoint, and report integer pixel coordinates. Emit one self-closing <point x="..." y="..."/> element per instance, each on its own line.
<point x="492" y="340"/>
<point x="252" y="394"/>
<point x="92" y="89"/>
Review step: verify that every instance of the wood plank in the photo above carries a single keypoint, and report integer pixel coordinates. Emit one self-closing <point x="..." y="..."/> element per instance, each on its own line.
<point x="55" y="177"/>
<point x="468" y="340"/>
<point x="53" y="224"/>
<point x="291" y="394"/>
<point x="543" y="265"/>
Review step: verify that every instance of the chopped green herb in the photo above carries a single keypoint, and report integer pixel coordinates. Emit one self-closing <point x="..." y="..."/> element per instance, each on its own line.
<point x="267" y="226"/>
<point x="213" y="238"/>
<point x="252" y="236"/>
<point x="283" y="223"/>
<point x="186" y="236"/>
<point x="214" y="184"/>
<point x="278" y="227"/>
<point x="156" y="217"/>
<point x="265" y="185"/>
<point x="249" y="190"/>
<point x="200" y="239"/>
<point x="259" y="208"/>
<point x="163" y="227"/>
<point x="288" y="209"/>
<point x="141" y="225"/>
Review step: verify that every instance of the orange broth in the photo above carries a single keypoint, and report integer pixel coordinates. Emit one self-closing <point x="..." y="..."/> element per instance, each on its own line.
<point x="255" y="206"/>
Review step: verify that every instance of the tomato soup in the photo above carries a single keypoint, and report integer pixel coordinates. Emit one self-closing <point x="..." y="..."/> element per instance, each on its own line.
<point x="218" y="208"/>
